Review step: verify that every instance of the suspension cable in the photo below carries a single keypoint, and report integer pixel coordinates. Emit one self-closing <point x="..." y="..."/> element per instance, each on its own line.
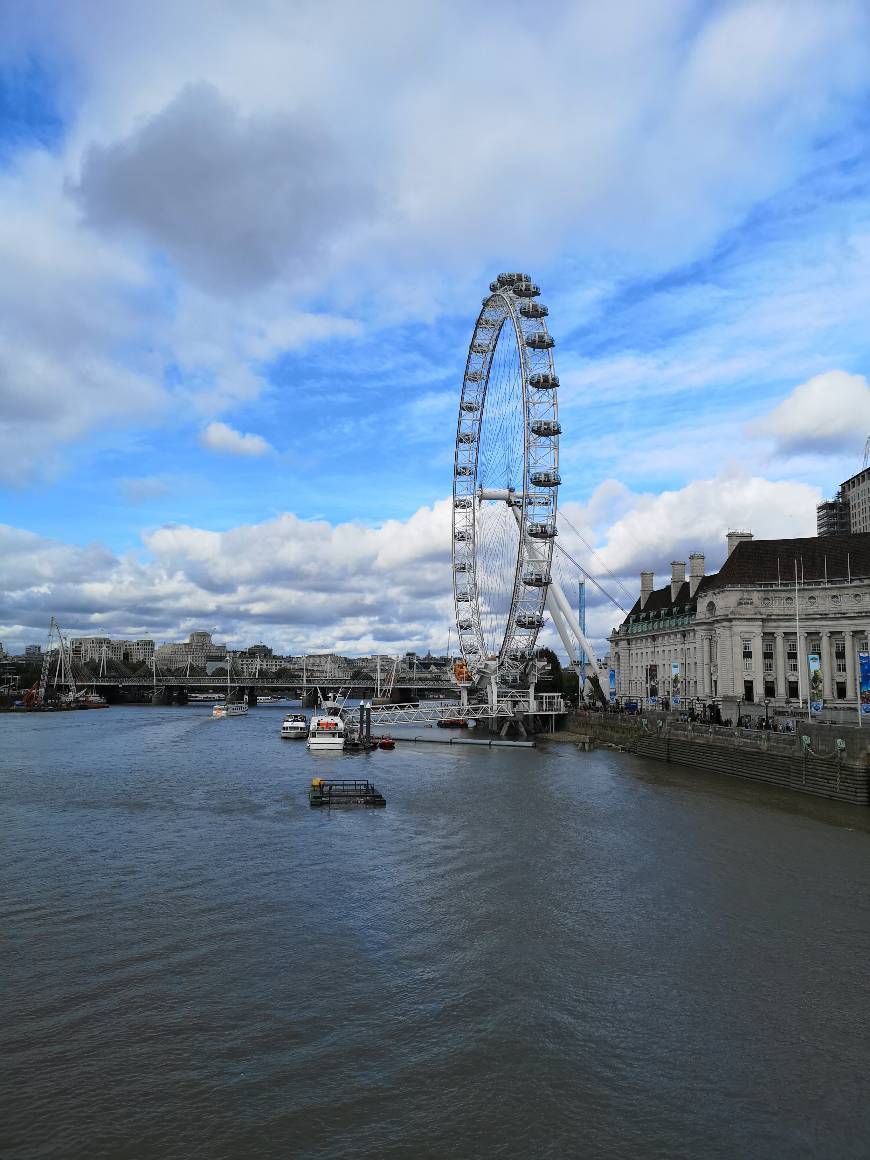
<point x="592" y="579"/>
<point x="586" y="543"/>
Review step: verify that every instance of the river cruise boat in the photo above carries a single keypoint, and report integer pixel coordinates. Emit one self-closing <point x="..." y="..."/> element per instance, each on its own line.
<point x="295" y="727"/>
<point x="327" y="730"/>
<point x="230" y="709"/>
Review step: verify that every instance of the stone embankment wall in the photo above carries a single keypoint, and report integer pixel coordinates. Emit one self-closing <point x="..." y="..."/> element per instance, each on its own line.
<point x="829" y="761"/>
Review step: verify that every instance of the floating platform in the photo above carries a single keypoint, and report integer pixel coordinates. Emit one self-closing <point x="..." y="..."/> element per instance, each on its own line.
<point x="329" y="794"/>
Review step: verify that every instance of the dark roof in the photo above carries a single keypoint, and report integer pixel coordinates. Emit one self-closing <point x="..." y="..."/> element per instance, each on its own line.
<point x="770" y="562"/>
<point x="774" y="561"/>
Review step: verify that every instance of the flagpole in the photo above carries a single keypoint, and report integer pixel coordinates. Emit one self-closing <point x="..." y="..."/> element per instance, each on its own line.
<point x="797" y="629"/>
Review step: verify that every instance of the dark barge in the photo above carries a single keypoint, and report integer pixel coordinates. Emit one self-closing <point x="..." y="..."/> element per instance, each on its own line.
<point x="327" y="793"/>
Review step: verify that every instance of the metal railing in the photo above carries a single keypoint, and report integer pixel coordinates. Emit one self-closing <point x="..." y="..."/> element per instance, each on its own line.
<point x="507" y="705"/>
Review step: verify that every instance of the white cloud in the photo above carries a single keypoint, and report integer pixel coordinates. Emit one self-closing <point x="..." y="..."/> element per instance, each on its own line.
<point x="312" y="585"/>
<point x="222" y="437"/>
<point x="311" y="170"/>
<point x="827" y="414"/>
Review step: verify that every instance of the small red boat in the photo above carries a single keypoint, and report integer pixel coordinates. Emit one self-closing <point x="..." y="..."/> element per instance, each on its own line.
<point x="452" y="723"/>
<point x="386" y="743"/>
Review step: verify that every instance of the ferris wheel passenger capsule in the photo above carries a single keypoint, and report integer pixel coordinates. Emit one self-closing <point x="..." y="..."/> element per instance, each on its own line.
<point x="546" y="428"/>
<point x="527" y="290"/>
<point x="542" y="531"/>
<point x="544" y="381"/>
<point x="540" y="340"/>
<point x="529" y="620"/>
<point x="469" y="406"/>
<point x="462" y="501"/>
<point x="466" y="436"/>
<point x="533" y="310"/>
<point x="545" y="478"/>
<point x="536" y="578"/>
<point x="465" y="624"/>
<point x="465" y="469"/>
<point x="461" y="536"/>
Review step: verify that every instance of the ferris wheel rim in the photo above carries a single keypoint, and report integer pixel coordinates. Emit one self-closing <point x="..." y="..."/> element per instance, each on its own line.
<point x="509" y="635"/>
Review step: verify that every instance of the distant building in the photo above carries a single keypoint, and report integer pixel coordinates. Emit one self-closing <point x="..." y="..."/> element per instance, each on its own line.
<point x="856" y="491"/>
<point x="198" y="651"/>
<point x="849" y="510"/>
<point x="33" y="652"/>
<point x="832" y="517"/>
<point x="744" y="633"/>
<point x="97" y="648"/>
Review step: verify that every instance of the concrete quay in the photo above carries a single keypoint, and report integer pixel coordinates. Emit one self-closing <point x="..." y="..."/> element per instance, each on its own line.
<point x="824" y="760"/>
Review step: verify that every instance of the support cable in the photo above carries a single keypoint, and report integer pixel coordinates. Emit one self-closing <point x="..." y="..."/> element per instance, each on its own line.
<point x="589" y="547"/>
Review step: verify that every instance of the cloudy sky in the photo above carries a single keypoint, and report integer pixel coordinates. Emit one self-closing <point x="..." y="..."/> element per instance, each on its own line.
<point x="242" y="248"/>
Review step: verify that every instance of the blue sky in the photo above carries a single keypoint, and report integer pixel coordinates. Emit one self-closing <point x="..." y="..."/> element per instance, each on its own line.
<point x="279" y="223"/>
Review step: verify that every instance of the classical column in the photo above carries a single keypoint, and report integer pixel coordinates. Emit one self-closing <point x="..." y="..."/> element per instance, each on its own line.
<point x="781" y="682"/>
<point x="851" y="649"/>
<point x="826" y="658"/>
<point x="706" y="682"/>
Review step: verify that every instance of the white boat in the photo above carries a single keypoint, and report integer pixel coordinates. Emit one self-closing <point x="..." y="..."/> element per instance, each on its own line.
<point x="294" y="726"/>
<point x="327" y="729"/>
<point x="230" y="709"/>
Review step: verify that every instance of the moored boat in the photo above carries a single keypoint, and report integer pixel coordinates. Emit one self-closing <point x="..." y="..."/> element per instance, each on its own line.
<point x="327" y="729"/>
<point x="294" y="726"/>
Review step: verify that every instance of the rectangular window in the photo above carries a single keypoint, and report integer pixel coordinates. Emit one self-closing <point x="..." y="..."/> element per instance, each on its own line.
<point x="793" y="690"/>
<point x="748" y="691"/>
<point x="840" y="657"/>
<point x="814" y="644"/>
<point x="769" y="689"/>
<point x="747" y="649"/>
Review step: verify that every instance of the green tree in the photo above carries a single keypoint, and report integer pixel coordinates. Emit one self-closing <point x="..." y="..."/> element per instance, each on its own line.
<point x="550" y="680"/>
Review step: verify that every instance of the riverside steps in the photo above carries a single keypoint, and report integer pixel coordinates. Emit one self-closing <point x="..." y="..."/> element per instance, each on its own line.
<point x="824" y="760"/>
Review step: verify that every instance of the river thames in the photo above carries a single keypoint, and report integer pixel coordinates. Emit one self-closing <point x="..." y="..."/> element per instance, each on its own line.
<point x="527" y="954"/>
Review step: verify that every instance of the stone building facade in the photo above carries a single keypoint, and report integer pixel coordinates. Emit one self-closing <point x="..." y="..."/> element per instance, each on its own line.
<point x="743" y="635"/>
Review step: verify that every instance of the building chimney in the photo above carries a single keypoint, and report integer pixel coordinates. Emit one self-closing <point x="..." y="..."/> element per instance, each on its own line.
<point x="646" y="587"/>
<point x="678" y="577"/>
<point x="734" y="538"/>
<point x="696" y="571"/>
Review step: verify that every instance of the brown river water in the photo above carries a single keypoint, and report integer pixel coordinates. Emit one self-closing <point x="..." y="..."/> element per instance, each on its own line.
<point x="526" y="954"/>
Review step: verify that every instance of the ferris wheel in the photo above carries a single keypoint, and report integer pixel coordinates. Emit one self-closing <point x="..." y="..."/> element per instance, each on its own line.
<point x="505" y="480"/>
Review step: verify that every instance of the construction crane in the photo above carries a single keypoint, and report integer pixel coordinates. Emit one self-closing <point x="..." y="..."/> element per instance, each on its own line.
<point x="866" y="454"/>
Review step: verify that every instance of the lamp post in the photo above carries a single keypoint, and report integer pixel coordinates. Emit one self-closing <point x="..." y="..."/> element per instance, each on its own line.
<point x="766" y="713"/>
